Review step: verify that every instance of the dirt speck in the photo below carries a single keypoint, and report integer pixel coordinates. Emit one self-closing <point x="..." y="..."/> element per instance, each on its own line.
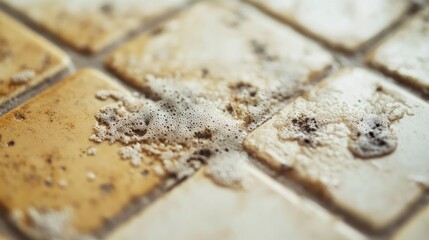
<point x="107" y="187"/>
<point x="11" y="143"/>
<point x="19" y="116"/>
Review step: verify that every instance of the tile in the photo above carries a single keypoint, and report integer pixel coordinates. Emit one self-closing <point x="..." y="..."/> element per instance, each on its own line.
<point x="225" y="51"/>
<point x="357" y="140"/>
<point x="343" y="24"/>
<point x="406" y="52"/>
<point x="200" y="209"/>
<point x="26" y="59"/>
<point x="92" y="25"/>
<point x="417" y="228"/>
<point x="52" y="184"/>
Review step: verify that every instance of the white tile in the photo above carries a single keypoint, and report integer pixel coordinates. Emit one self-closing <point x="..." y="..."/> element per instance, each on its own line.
<point x="406" y="52"/>
<point x="344" y="23"/>
<point x="200" y="209"/>
<point x="377" y="185"/>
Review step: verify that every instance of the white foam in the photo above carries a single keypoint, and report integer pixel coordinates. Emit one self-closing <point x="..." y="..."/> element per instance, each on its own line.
<point x="367" y="125"/>
<point x="48" y="224"/>
<point x="23" y="76"/>
<point x="181" y="130"/>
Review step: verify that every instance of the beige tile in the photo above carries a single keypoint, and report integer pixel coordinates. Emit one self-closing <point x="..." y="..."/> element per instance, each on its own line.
<point x="92" y="25"/>
<point x="200" y="209"/>
<point x="26" y="59"/>
<point x="417" y="228"/>
<point x="406" y="52"/>
<point x="225" y="51"/>
<point x="346" y="24"/>
<point x="45" y="165"/>
<point x="356" y="139"/>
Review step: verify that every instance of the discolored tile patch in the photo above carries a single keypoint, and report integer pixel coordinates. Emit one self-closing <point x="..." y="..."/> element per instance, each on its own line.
<point x="92" y="25"/>
<point x="355" y="139"/>
<point x="51" y="186"/>
<point x="26" y="59"/>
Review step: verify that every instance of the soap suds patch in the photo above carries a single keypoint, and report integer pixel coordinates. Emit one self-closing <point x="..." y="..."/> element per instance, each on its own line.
<point x="132" y="153"/>
<point x="23" y="76"/>
<point x="373" y="137"/>
<point x="91" y="151"/>
<point x="91" y="176"/>
<point x="367" y="125"/>
<point x="47" y="224"/>
<point x="181" y="130"/>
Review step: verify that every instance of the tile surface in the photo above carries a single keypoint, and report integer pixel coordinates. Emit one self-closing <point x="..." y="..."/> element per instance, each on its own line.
<point x="417" y="228"/>
<point x="356" y="139"/>
<point x="92" y="25"/>
<point x="225" y="51"/>
<point x="200" y="209"/>
<point x="26" y="59"/>
<point x="346" y="24"/>
<point x="406" y="52"/>
<point x="50" y="180"/>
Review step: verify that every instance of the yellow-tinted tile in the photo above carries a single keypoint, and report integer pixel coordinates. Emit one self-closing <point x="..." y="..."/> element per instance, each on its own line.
<point x="200" y="209"/>
<point x="416" y="229"/>
<point x="406" y="52"/>
<point x="92" y="25"/>
<point x="26" y="59"/>
<point x="225" y="51"/>
<point x="357" y="139"/>
<point x="52" y="181"/>
<point x="346" y="24"/>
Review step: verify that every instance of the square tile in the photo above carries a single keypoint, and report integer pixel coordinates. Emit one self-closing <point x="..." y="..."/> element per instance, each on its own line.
<point x="346" y="24"/>
<point x="55" y="180"/>
<point x="92" y="25"/>
<point x="406" y="52"/>
<point x="356" y="139"/>
<point x="200" y="209"/>
<point x="26" y="59"/>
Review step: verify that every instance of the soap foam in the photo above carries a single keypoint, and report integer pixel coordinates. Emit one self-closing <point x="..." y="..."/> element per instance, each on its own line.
<point x="368" y="125"/>
<point x="373" y="137"/>
<point x="181" y="130"/>
<point x="48" y="224"/>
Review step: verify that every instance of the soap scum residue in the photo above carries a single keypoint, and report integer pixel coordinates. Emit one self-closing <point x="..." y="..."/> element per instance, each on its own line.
<point x="23" y="76"/>
<point x="327" y="128"/>
<point x="47" y="224"/>
<point x="369" y="127"/>
<point x="175" y="127"/>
